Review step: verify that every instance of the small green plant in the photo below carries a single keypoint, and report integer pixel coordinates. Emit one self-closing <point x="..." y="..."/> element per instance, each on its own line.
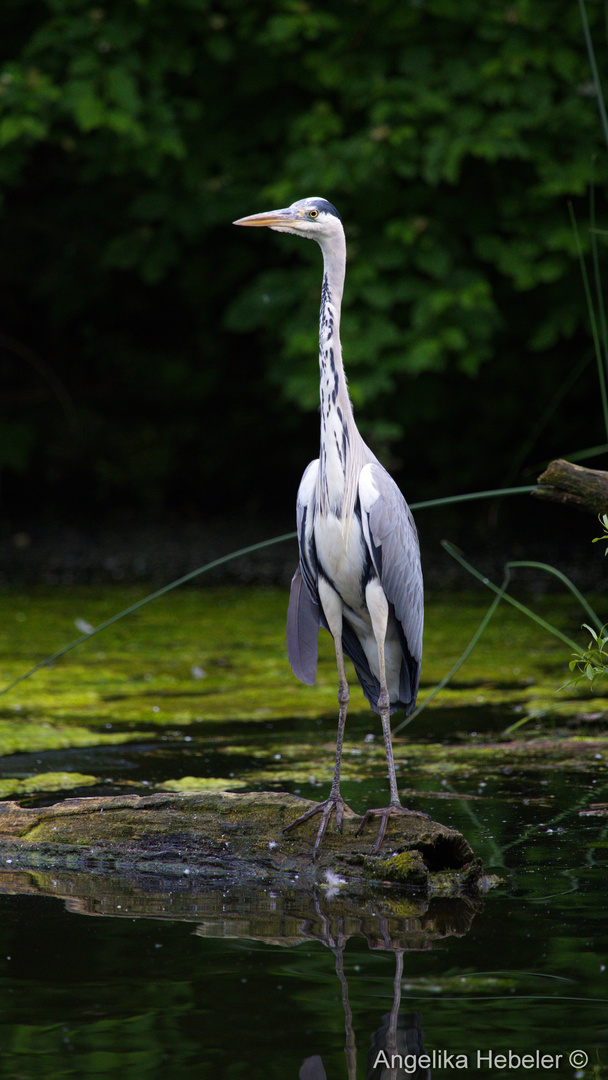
<point x="603" y="520"/>
<point x="593" y="663"/>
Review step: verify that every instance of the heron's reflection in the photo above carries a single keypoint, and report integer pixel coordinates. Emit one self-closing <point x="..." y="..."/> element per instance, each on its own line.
<point x="399" y="1042"/>
<point x="395" y="923"/>
<point x="312" y="1069"/>
<point x="397" y="1045"/>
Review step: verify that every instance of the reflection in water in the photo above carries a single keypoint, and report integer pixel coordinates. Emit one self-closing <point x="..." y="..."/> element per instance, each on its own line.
<point x="400" y="1039"/>
<point x="130" y="986"/>
<point x="131" y="989"/>
<point x="393" y="923"/>
<point x="312" y="1069"/>
<point x="396" y="1046"/>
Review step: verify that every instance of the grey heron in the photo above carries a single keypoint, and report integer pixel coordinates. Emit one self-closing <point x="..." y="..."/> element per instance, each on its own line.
<point x="359" y="572"/>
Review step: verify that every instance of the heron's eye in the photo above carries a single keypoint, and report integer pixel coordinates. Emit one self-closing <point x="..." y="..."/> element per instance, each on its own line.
<point x="313" y="213"/>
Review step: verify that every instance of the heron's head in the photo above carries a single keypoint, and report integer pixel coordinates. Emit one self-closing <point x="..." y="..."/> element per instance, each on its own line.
<point x="314" y="218"/>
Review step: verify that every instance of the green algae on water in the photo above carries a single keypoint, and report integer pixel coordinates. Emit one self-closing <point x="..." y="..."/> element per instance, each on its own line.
<point x="34" y="785"/>
<point x="211" y="655"/>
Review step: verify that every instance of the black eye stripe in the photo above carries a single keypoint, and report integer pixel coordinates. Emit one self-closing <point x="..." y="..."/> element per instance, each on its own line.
<point x="322" y="206"/>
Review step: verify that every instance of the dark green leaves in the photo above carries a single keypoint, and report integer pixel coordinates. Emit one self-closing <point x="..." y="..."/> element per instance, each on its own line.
<point x="450" y="136"/>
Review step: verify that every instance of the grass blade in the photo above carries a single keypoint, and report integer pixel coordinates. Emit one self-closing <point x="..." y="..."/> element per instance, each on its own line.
<point x="566" y="581"/>
<point x="456" y="554"/>
<point x="594" y="72"/>
<point x="494" y="493"/>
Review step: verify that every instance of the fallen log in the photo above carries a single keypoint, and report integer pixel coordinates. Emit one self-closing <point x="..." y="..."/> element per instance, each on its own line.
<point x="223" y="839"/>
<point x="219" y="859"/>
<point x="573" y="485"/>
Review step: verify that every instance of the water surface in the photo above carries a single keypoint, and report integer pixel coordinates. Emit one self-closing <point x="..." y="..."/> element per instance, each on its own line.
<point x="96" y="982"/>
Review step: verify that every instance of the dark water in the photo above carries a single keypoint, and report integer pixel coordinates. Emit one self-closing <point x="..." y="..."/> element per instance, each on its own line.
<point x="118" y="985"/>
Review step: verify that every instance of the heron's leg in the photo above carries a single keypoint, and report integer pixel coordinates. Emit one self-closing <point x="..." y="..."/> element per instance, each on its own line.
<point x="332" y="609"/>
<point x="385" y="715"/>
<point x="377" y="605"/>
<point x="343" y="700"/>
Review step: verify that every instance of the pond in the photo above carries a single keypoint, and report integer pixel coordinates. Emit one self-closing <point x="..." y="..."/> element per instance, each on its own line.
<point x="105" y="977"/>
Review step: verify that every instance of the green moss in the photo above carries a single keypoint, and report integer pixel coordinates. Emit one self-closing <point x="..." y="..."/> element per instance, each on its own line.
<point x="202" y="783"/>
<point x="55" y="781"/>
<point x="406" y="868"/>
<point x="445" y="882"/>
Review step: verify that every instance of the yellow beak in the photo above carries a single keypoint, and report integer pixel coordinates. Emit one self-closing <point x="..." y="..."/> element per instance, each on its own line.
<point x="270" y="218"/>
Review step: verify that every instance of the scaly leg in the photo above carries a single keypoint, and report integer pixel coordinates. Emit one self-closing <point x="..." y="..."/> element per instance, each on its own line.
<point x="332" y="608"/>
<point x="377" y="606"/>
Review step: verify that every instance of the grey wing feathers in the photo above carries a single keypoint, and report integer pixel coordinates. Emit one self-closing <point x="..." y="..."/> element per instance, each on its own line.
<point x="304" y="614"/>
<point x="303" y="619"/>
<point x="393" y="542"/>
<point x="393" y="531"/>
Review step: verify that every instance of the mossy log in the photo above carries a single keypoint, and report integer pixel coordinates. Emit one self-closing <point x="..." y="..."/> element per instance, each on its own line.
<point x="573" y="485"/>
<point x="223" y="839"/>
<point x="219" y="859"/>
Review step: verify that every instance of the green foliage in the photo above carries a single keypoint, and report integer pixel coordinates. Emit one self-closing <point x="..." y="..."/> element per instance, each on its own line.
<point x="451" y="138"/>
<point x="592" y="664"/>
<point x="603" y="520"/>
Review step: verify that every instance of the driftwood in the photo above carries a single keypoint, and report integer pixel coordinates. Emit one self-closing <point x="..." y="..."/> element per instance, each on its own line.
<point x="226" y="838"/>
<point x="573" y="485"/>
<point x="219" y="859"/>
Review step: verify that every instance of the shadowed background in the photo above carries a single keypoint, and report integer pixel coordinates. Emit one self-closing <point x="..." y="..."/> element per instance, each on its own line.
<point x="159" y="366"/>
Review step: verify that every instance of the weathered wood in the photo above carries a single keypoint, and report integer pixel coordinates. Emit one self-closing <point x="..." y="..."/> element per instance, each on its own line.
<point x="573" y="485"/>
<point x="219" y="859"/>
<point x="222" y="839"/>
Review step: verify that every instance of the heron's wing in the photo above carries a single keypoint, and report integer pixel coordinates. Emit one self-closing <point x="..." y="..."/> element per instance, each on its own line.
<point x="304" y="615"/>
<point x="305" y="511"/>
<point x="303" y="619"/>
<point x="390" y="533"/>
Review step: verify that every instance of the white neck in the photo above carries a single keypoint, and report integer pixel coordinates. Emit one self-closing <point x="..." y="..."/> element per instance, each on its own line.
<point x="341" y="444"/>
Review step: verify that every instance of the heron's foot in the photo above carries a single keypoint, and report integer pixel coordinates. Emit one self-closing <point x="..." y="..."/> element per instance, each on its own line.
<point x="384" y="813"/>
<point x="334" y="804"/>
